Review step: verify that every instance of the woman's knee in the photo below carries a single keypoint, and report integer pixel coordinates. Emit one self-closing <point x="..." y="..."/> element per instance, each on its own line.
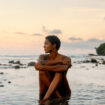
<point x="59" y="75"/>
<point x="42" y="72"/>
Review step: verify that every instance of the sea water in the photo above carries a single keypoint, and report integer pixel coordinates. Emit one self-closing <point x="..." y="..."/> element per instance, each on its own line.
<point x="21" y="86"/>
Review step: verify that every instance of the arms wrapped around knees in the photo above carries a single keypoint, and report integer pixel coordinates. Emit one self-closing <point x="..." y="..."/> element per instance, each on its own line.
<point x="54" y="65"/>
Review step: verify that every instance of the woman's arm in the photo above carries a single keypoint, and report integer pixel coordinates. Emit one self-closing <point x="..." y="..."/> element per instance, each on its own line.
<point x="50" y="62"/>
<point x="62" y="61"/>
<point x="55" y="68"/>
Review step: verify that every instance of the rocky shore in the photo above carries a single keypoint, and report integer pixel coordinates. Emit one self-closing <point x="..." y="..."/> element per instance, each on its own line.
<point x="16" y="64"/>
<point x="92" y="59"/>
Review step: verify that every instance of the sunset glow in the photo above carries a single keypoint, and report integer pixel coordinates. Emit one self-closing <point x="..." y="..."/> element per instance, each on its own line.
<point x="24" y="25"/>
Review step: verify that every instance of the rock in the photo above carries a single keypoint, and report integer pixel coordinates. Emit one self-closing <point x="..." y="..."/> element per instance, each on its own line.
<point x="96" y="64"/>
<point x="78" y="62"/>
<point x="1" y="73"/>
<point x="31" y="63"/>
<point x="86" y="61"/>
<point x="9" y="81"/>
<point x="21" y="64"/>
<point x="93" y="60"/>
<point x="17" y="62"/>
<point x="102" y="59"/>
<point x="92" y="55"/>
<point x="74" y="62"/>
<point x="17" y="67"/>
<point x="103" y="62"/>
<point x="11" y="61"/>
<point x="1" y="85"/>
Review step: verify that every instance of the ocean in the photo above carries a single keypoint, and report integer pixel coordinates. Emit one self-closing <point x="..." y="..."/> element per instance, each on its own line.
<point x="20" y="86"/>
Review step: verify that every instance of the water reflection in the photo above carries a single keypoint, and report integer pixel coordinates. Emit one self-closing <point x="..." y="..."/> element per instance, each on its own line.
<point x="63" y="101"/>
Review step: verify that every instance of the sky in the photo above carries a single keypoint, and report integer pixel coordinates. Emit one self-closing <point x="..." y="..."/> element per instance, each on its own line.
<point x="24" y="24"/>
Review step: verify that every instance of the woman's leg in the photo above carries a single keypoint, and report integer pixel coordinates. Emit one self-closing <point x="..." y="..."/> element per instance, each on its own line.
<point x="54" y="84"/>
<point x="68" y="90"/>
<point x="45" y="81"/>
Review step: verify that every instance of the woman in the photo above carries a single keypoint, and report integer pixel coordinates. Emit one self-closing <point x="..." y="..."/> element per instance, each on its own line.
<point x="52" y="69"/>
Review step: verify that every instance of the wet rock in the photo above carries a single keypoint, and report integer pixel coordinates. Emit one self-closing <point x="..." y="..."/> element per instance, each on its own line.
<point x="86" y="61"/>
<point x="103" y="62"/>
<point x="90" y="61"/>
<point x="74" y="62"/>
<point x="78" y="62"/>
<point x="93" y="60"/>
<point x="17" y="62"/>
<point x="31" y="63"/>
<point x="92" y="55"/>
<point x="102" y="59"/>
<point x="12" y="61"/>
<point x="96" y="64"/>
<point x="1" y="73"/>
<point x="1" y="85"/>
<point x="21" y="64"/>
<point x="9" y="82"/>
<point x="17" y="67"/>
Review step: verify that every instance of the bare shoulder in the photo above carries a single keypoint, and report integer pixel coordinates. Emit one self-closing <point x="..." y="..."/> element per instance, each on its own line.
<point x="43" y="56"/>
<point x="64" y="57"/>
<point x="66" y="60"/>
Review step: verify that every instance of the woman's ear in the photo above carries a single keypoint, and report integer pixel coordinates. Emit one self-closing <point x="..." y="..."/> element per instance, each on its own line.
<point x="54" y="46"/>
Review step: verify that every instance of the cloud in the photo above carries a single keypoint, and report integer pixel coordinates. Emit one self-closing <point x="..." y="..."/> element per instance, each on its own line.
<point x="75" y="39"/>
<point x="104" y="18"/>
<point x="94" y="40"/>
<point x="77" y="45"/>
<point x="44" y="30"/>
<point x="83" y="44"/>
<point x="34" y="34"/>
<point x="21" y="33"/>
<point x="37" y="34"/>
<point x="54" y="31"/>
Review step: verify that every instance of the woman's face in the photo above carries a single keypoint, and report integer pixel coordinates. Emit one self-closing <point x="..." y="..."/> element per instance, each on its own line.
<point x="48" y="47"/>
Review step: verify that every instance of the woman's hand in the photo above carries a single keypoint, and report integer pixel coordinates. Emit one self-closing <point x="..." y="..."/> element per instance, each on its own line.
<point x="65" y="62"/>
<point x="38" y="66"/>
